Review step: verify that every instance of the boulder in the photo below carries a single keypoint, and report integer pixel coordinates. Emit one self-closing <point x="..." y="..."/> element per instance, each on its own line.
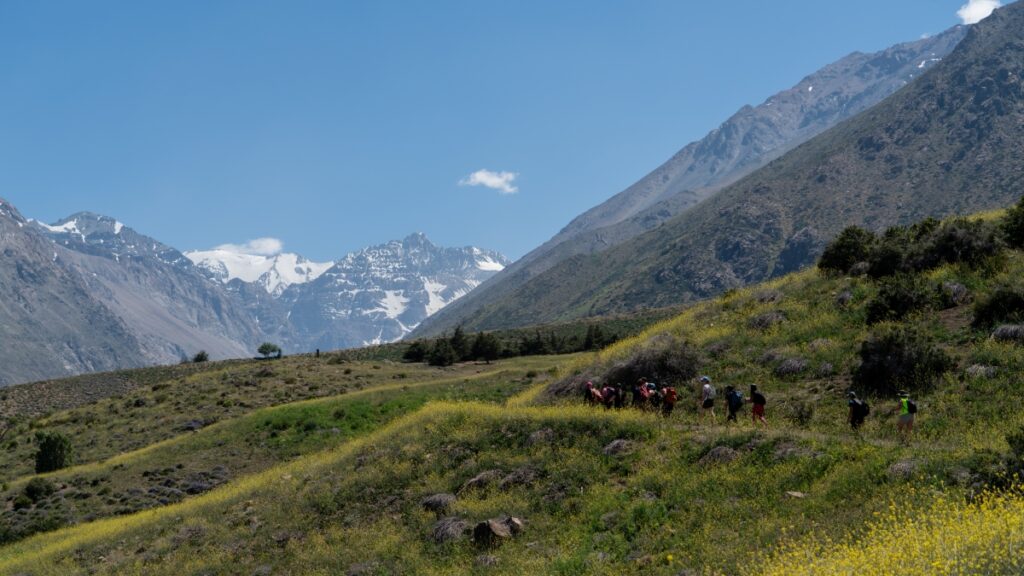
<point x="438" y="503"/>
<point x="719" y="455"/>
<point x="491" y="533"/>
<point x="618" y="447"/>
<point x="481" y="480"/>
<point x="449" y="529"/>
<point x="520" y="477"/>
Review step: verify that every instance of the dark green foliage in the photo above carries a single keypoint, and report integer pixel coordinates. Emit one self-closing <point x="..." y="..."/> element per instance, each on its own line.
<point x="887" y="258"/>
<point x="1013" y="225"/>
<point x="899" y="358"/>
<point x="853" y="245"/>
<point x="486" y="347"/>
<point x="442" y="354"/>
<point x="595" y="338"/>
<point x="1016" y="442"/>
<point x="268" y="348"/>
<point x="21" y="502"/>
<point x="38" y="489"/>
<point x="460" y="343"/>
<point x="1004" y="304"/>
<point x="899" y="296"/>
<point x="959" y="241"/>
<point x="535" y="346"/>
<point x="201" y="356"/>
<point x="666" y="359"/>
<point x="416" y="352"/>
<point x="55" y="451"/>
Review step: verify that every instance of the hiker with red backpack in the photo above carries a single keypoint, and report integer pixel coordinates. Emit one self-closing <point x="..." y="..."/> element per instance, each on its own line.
<point x="668" y="400"/>
<point x="759" y="402"/>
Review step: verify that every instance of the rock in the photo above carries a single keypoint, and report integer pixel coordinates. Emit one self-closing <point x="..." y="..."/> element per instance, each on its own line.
<point x="770" y="357"/>
<point x="768" y="296"/>
<point x="790" y="367"/>
<point x="789" y="450"/>
<point x="520" y="477"/>
<point x="481" y="480"/>
<point x="618" y="447"/>
<point x="903" y="470"/>
<point x="363" y="568"/>
<point x="956" y="294"/>
<point x="795" y="494"/>
<point x="486" y="560"/>
<point x="438" y="503"/>
<point x="193" y="425"/>
<point x="844" y="298"/>
<point x="514" y="525"/>
<point x="825" y="370"/>
<point x="449" y="529"/>
<point x="981" y="371"/>
<point x="545" y="436"/>
<point x="719" y="455"/>
<point x="491" y="533"/>
<point x="1009" y="333"/>
<point x="767" y="320"/>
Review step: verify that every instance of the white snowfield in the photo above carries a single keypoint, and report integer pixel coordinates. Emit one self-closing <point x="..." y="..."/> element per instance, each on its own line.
<point x="273" y="273"/>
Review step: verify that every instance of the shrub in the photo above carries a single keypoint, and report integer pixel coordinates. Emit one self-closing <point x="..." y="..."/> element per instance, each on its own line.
<point x="269" y="348"/>
<point x="39" y="488"/>
<point x="665" y="359"/>
<point x="801" y="413"/>
<point x="22" y="502"/>
<point x="1004" y="304"/>
<point x="959" y="241"/>
<point x="55" y="452"/>
<point x="852" y="245"/>
<point x="898" y="296"/>
<point x="898" y="358"/>
<point x="1012" y="226"/>
<point x="442" y="354"/>
<point x="200" y="356"/>
<point x="416" y="352"/>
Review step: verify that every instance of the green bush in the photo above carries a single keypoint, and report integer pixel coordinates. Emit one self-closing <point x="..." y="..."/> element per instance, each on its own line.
<point x="853" y="245"/>
<point x="1004" y="304"/>
<point x="442" y="354"/>
<point x="55" y="452"/>
<point x="666" y="359"/>
<point x="960" y="241"/>
<point x="22" y="502"/>
<point x="416" y="352"/>
<point x="1012" y="225"/>
<point x="899" y="296"/>
<point x="200" y="356"/>
<point x="38" y="489"/>
<point x="898" y="358"/>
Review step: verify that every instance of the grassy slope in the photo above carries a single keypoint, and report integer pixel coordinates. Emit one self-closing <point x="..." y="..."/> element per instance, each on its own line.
<point x="655" y="510"/>
<point x="168" y="471"/>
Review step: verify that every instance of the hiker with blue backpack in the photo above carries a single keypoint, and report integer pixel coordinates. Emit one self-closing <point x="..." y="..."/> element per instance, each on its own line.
<point x="733" y="402"/>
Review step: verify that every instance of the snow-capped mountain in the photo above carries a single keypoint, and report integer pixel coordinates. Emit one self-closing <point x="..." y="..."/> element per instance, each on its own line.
<point x="382" y="293"/>
<point x="274" y="273"/>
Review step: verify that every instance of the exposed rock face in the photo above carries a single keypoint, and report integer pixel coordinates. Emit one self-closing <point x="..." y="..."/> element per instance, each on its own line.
<point x="50" y="322"/>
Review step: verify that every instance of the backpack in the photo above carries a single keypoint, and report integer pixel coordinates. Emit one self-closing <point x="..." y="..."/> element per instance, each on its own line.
<point x="758" y="399"/>
<point x="735" y="400"/>
<point x="670" y="395"/>
<point x="861" y="409"/>
<point x="711" y="392"/>
<point x="911" y="407"/>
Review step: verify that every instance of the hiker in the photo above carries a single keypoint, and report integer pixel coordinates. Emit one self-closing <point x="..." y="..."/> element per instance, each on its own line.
<point x="638" y="398"/>
<point x="592" y="394"/>
<point x="759" y="401"/>
<point x="654" y="396"/>
<point x="706" y="403"/>
<point x="668" y="400"/>
<point x="608" y="396"/>
<point x="908" y="408"/>
<point x="734" y="402"/>
<point x="620" y="396"/>
<point x="859" y="410"/>
<point x="645" y="395"/>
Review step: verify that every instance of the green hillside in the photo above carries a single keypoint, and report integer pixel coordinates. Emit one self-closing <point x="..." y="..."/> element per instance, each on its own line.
<point x="627" y="491"/>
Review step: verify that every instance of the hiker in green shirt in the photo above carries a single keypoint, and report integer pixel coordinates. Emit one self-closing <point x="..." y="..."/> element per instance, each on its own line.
<point x="908" y="408"/>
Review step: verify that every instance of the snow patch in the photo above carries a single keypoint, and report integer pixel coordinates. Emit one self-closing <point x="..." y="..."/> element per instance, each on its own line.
<point x="273" y="273"/>
<point x="118" y="227"/>
<point x="489" y="264"/>
<point x="810" y="88"/>
<point x="65" y="228"/>
<point x="435" y="302"/>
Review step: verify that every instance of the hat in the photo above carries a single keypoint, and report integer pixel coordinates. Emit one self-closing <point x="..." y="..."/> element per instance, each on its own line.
<point x="706" y="379"/>
<point x="851" y="394"/>
<point x="902" y="394"/>
<point x="753" y="386"/>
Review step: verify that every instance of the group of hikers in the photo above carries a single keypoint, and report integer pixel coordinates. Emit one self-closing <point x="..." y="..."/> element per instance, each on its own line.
<point x="647" y="395"/>
<point x="650" y="396"/>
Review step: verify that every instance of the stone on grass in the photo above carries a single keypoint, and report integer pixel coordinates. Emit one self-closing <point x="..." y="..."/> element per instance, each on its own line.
<point x="438" y="503"/>
<point x="719" y="455"/>
<point x="1009" y="333"/>
<point x="449" y="529"/>
<point x="491" y="533"/>
<point x="481" y="480"/>
<point x="617" y="447"/>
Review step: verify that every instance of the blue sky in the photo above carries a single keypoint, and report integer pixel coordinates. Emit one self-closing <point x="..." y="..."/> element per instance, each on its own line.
<point x="336" y="125"/>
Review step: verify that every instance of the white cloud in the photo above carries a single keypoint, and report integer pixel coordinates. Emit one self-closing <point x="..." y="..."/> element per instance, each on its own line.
<point x="259" y="247"/>
<point x="500" y="181"/>
<point x="977" y="10"/>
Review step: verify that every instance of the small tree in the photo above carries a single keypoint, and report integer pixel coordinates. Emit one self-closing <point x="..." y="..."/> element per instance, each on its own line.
<point x="486" y="347"/>
<point x="200" y="356"/>
<point x="416" y="352"/>
<point x="55" y="452"/>
<point x="442" y="354"/>
<point x="460" y="343"/>
<point x="898" y="358"/>
<point x="853" y="245"/>
<point x="267" y="349"/>
<point x="899" y="296"/>
<point x="1013" y="225"/>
